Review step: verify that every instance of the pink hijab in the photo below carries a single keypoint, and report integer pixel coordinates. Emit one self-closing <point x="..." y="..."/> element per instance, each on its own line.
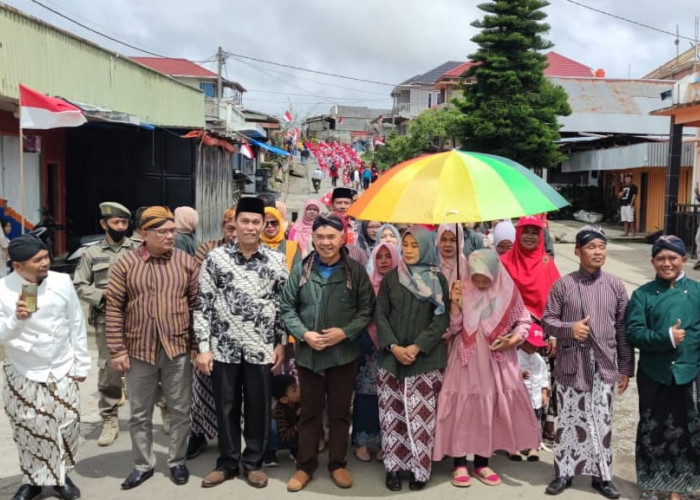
<point x="376" y="279"/>
<point x="495" y="309"/>
<point x="302" y="228"/>
<point x="186" y="219"/>
<point x="449" y="267"/>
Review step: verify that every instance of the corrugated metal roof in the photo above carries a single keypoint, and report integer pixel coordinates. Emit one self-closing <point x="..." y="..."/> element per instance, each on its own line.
<point x="652" y="154"/>
<point x="672" y="68"/>
<point x="431" y="77"/>
<point x="175" y="67"/>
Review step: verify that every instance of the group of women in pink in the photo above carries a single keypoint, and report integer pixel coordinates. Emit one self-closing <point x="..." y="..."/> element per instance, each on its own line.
<point x="446" y="333"/>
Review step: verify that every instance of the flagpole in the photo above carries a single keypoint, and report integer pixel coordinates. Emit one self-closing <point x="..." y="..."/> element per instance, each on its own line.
<point x="21" y="169"/>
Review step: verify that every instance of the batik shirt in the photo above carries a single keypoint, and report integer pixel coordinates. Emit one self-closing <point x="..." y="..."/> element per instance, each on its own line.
<point x="237" y="316"/>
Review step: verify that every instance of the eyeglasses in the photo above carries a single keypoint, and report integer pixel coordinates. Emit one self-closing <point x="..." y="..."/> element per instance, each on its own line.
<point x="272" y="223"/>
<point x="164" y="232"/>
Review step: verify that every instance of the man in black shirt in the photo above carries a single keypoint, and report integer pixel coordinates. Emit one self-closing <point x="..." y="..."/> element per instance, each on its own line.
<point x="627" y="196"/>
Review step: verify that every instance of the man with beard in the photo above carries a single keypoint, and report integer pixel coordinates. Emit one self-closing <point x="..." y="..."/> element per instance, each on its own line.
<point x="90" y="281"/>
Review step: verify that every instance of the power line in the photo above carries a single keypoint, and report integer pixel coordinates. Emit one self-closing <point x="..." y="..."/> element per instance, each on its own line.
<point x="335" y="75"/>
<point x="632" y="21"/>
<point x="318" y="95"/>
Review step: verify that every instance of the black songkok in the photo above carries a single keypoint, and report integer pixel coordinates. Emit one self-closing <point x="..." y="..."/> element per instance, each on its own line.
<point x="589" y="233"/>
<point x="668" y="242"/>
<point x="251" y="205"/>
<point x="342" y="192"/>
<point x="331" y="220"/>
<point x="25" y="247"/>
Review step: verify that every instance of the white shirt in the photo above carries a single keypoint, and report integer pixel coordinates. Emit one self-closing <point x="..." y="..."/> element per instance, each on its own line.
<point x="53" y="341"/>
<point x="317" y="174"/>
<point x="539" y="375"/>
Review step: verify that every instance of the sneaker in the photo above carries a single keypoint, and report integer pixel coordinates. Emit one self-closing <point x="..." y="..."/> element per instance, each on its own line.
<point x="110" y="431"/>
<point x="270" y="459"/>
<point x="165" y="416"/>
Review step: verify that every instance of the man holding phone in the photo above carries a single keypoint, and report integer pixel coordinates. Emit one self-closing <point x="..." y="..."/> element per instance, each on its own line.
<point x="47" y="355"/>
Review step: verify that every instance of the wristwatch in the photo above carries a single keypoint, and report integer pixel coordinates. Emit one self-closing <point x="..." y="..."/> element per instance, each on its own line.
<point x="391" y="346"/>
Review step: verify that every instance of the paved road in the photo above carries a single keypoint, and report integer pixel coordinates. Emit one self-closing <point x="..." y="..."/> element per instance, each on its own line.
<point x="101" y="470"/>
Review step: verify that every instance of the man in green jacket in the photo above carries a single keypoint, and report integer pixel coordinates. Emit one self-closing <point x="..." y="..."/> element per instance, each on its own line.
<point x="326" y="305"/>
<point x="663" y="322"/>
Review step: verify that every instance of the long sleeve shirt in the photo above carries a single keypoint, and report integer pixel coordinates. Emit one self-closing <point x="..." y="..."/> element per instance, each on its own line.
<point x="603" y="298"/>
<point x="238" y="316"/>
<point x="53" y="340"/>
<point x="149" y="304"/>
<point x="538" y="378"/>
<point x="287" y="417"/>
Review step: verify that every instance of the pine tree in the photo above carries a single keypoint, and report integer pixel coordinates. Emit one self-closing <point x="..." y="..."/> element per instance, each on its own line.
<point x="510" y="107"/>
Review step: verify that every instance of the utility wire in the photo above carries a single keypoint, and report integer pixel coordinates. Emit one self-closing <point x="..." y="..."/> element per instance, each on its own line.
<point x="631" y="21"/>
<point x="335" y="75"/>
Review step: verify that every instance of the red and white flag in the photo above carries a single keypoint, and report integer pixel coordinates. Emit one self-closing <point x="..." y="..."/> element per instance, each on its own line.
<point x="288" y="117"/>
<point x="41" y="112"/>
<point x="379" y="141"/>
<point x="247" y="151"/>
<point x="340" y="119"/>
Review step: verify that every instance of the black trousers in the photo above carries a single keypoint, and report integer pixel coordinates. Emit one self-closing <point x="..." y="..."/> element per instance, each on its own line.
<point x="248" y="385"/>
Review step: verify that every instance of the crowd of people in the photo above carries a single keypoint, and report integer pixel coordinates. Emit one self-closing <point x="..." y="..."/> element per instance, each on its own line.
<point x="341" y="161"/>
<point x="410" y="344"/>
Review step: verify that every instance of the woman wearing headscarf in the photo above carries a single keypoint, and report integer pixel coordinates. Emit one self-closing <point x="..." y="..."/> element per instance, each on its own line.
<point x="451" y="264"/>
<point x="411" y="317"/>
<point x="483" y="386"/>
<point x="367" y="237"/>
<point x="273" y="237"/>
<point x="365" y="419"/>
<point x="186" y="219"/>
<point x="388" y="233"/>
<point x="503" y="236"/>
<point x="302" y="229"/>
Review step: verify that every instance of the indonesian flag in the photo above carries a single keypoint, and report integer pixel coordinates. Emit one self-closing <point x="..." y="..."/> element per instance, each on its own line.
<point x="379" y="141"/>
<point x="41" y="112"/>
<point x="247" y="151"/>
<point x="288" y="117"/>
<point x="340" y="119"/>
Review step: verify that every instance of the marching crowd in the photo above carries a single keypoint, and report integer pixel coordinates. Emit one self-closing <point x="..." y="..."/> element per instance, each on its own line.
<point x="412" y="344"/>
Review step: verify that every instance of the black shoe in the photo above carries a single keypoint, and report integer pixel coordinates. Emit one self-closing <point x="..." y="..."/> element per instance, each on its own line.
<point x="414" y="484"/>
<point x="27" y="492"/>
<point x="393" y="481"/>
<point x="605" y="488"/>
<point x="179" y="474"/>
<point x="270" y="459"/>
<point x="196" y="446"/>
<point x="136" y="478"/>
<point x="68" y="491"/>
<point x="558" y="485"/>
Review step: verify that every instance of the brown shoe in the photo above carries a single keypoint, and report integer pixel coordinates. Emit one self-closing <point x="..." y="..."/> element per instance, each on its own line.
<point x="298" y="481"/>
<point x="342" y="478"/>
<point x="256" y="478"/>
<point x="216" y="477"/>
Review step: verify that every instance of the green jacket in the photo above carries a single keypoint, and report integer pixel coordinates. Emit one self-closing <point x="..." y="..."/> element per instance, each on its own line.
<point x="652" y="310"/>
<point x="311" y="303"/>
<point x="402" y="319"/>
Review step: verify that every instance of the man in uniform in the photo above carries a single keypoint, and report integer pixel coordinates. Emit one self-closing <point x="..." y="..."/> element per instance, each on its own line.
<point x="90" y="280"/>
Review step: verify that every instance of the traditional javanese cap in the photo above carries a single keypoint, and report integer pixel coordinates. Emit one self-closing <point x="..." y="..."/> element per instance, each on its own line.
<point x="154" y="217"/>
<point x="589" y="233"/>
<point x="109" y="209"/>
<point x="251" y="205"/>
<point x="25" y="247"/>
<point x="342" y="192"/>
<point x="668" y="242"/>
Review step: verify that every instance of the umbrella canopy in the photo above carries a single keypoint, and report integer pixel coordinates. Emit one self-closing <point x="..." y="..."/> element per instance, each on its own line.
<point x="456" y="186"/>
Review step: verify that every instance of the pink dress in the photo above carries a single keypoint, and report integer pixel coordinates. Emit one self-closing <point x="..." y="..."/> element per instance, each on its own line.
<point x="484" y="405"/>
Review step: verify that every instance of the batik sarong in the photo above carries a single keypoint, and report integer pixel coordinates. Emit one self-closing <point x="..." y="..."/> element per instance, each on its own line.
<point x="407" y="416"/>
<point x="203" y="406"/>
<point x="45" y="421"/>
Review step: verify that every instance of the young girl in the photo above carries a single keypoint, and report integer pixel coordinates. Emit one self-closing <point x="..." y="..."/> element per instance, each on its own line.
<point x="365" y="417"/>
<point x="484" y="405"/>
<point x="411" y="317"/>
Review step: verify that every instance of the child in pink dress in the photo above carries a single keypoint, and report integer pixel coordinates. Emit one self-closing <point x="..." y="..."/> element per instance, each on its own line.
<point x="484" y="405"/>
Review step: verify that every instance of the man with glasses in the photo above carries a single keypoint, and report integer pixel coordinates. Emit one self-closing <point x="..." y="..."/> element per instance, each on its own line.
<point x="150" y="297"/>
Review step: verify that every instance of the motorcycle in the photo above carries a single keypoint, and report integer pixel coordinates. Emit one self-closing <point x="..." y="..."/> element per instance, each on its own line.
<point x="317" y="184"/>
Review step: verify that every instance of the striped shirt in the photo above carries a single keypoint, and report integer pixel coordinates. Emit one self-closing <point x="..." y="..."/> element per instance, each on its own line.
<point x="149" y="303"/>
<point x="204" y="249"/>
<point x="603" y="298"/>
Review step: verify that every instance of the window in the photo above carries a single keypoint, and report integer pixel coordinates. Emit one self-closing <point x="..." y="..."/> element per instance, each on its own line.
<point x="209" y="88"/>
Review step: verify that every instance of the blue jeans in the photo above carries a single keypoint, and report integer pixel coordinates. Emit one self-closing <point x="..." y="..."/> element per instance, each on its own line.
<point x="275" y="443"/>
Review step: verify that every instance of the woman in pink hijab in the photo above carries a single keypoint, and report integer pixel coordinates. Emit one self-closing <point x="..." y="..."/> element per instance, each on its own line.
<point x="366" y="432"/>
<point x="302" y="229"/>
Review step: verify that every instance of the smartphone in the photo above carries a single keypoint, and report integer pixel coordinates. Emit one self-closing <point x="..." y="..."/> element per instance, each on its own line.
<point x="295" y="216"/>
<point x="29" y="291"/>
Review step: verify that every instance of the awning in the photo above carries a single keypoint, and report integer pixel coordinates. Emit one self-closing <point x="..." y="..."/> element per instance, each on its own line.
<point x="272" y="149"/>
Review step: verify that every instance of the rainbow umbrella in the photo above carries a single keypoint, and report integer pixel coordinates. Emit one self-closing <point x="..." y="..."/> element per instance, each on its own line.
<point x="456" y="186"/>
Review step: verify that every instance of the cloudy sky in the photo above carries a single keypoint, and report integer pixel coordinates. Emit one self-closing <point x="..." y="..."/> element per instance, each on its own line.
<point x="381" y="40"/>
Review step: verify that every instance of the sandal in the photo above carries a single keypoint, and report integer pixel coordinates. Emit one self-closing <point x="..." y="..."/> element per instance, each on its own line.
<point x="362" y="457"/>
<point x="460" y="477"/>
<point x="487" y="476"/>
